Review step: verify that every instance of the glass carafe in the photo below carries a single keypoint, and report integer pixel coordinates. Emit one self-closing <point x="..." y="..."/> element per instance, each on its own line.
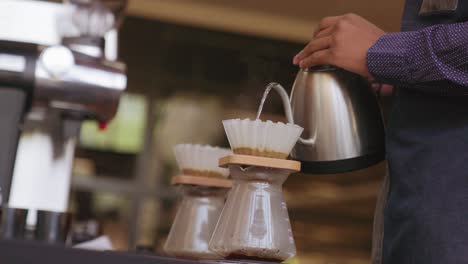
<point x="254" y="223"/>
<point x="195" y="221"/>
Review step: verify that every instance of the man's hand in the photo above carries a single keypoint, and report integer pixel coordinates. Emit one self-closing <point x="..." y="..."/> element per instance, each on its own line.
<point x="342" y="41"/>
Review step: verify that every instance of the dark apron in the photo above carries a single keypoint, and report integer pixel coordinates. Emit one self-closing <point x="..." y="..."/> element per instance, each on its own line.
<point x="426" y="210"/>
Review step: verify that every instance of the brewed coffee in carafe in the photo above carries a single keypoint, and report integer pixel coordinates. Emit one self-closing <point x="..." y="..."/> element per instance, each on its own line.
<point x="254" y="224"/>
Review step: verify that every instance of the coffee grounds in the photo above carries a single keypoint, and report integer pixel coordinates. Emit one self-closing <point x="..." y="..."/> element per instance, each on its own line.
<point x="203" y="173"/>
<point x="259" y="153"/>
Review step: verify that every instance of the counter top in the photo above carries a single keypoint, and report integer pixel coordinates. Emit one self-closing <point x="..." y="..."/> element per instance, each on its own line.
<point x="25" y="252"/>
<point x="21" y="252"/>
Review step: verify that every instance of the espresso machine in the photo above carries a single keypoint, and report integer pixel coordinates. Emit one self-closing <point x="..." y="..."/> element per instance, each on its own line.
<point x="58" y="68"/>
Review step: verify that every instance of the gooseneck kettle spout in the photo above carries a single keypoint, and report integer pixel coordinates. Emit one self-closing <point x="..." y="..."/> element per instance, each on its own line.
<point x="285" y="99"/>
<point x="287" y="107"/>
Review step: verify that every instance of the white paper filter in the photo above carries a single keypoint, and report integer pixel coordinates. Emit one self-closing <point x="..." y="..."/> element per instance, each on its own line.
<point x="262" y="137"/>
<point x="201" y="158"/>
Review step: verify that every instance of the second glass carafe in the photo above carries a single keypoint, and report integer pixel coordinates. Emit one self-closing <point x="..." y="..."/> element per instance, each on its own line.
<point x="196" y="218"/>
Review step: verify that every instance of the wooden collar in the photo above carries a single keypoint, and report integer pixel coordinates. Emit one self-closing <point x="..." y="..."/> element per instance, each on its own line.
<point x="260" y="162"/>
<point x="202" y="181"/>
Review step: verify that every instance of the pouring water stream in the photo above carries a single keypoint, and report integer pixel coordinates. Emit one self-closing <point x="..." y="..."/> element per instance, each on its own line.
<point x="284" y="97"/>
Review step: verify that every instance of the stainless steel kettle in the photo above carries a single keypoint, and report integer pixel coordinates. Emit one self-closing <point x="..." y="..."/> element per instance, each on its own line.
<point x="341" y="117"/>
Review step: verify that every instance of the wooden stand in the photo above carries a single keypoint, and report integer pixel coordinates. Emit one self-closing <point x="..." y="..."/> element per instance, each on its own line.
<point x="245" y="160"/>
<point x="202" y="181"/>
<point x="242" y="160"/>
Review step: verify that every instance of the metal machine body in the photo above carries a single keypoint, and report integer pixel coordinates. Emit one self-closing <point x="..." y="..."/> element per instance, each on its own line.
<point x="17" y="66"/>
<point x="51" y="79"/>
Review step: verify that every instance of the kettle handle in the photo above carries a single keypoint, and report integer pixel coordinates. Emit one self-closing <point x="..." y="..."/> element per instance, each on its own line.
<point x="287" y="108"/>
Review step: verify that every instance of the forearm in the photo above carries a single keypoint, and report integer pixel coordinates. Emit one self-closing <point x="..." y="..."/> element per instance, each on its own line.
<point x="435" y="58"/>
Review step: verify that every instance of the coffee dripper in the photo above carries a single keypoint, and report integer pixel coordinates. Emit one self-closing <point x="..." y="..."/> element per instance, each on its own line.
<point x="254" y="224"/>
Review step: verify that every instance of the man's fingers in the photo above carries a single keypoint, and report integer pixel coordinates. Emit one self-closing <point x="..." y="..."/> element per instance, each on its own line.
<point x="325" y="32"/>
<point x="317" y="58"/>
<point x="327" y="22"/>
<point x="322" y="38"/>
<point x="313" y="46"/>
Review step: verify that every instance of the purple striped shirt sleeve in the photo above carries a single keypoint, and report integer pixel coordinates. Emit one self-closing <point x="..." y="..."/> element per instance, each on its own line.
<point x="432" y="59"/>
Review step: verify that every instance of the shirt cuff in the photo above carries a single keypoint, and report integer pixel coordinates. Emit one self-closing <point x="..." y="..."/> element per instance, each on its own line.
<point x="389" y="60"/>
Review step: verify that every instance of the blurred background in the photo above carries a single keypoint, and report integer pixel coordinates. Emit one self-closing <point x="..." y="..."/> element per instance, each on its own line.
<point x="191" y="64"/>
